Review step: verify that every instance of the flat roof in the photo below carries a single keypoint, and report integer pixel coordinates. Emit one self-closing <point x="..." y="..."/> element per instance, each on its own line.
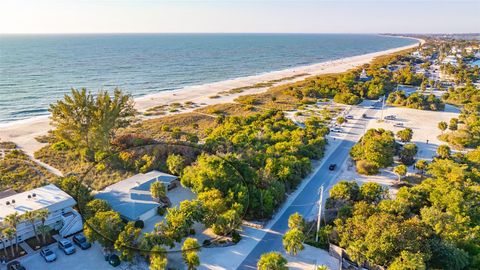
<point x="139" y="179"/>
<point x="49" y="196"/>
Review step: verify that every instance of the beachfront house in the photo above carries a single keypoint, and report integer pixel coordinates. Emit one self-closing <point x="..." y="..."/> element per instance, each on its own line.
<point x="132" y="199"/>
<point x="62" y="216"/>
<point x="364" y="77"/>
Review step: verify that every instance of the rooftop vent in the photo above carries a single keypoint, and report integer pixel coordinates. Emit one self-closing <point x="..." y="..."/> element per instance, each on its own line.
<point x="7" y="203"/>
<point x="13" y="201"/>
<point x="34" y="195"/>
<point x="29" y="196"/>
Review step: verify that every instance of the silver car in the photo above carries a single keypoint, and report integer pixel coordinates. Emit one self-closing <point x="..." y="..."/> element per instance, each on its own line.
<point x="48" y="255"/>
<point x="67" y="246"/>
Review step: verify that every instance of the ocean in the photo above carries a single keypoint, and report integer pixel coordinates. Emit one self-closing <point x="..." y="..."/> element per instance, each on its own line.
<point x="36" y="70"/>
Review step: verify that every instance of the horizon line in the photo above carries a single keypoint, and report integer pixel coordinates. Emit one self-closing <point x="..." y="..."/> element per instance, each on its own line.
<point x="333" y="33"/>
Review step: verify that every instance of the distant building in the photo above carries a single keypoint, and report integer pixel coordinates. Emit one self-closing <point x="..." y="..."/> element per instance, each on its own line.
<point x="364" y="77"/>
<point x="59" y="204"/>
<point x="450" y="59"/>
<point x="132" y="199"/>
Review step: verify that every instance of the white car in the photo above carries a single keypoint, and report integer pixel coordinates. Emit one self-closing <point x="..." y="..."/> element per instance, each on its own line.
<point x="48" y="255"/>
<point x="336" y="129"/>
<point x="398" y="125"/>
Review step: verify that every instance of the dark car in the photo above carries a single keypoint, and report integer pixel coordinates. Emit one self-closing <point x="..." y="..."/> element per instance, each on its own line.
<point x="81" y="241"/>
<point x="332" y="167"/>
<point x="15" y="265"/>
<point x="114" y="260"/>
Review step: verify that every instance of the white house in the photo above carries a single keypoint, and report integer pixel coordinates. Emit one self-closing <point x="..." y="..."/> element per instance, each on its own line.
<point x="59" y="204"/>
<point x="132" y="199"/>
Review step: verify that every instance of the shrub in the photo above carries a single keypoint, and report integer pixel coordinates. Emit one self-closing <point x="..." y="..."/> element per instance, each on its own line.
<point x="207" y="242"/>
<point x="236" y="237"/>
<point x="59" y="146"/>
<point x="139" y="224"/>
<point x="191" y="231"/>
<point x="161" y="211"/>
<point x="366" y="167"/>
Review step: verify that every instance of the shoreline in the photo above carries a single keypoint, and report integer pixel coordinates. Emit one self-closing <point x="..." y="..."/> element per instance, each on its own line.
<point x="23" y="132"/>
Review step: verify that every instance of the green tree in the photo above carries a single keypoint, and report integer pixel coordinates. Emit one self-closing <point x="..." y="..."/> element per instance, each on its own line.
<point x="44" y="230"/>
<point x="10" y="234"/>
<point x="127" y="241"/>
<point x="405" y="135"/>
<point x="158" y="190"/>
<point x="94" y="206"/>
<point x="372" y="192"/>
<point x="442" y="126"/>
<point x="13" y="220"/>
<point x="421" y="165"/>
<point x="407" y="154"/>
<point x="272" y="261"/>
<point x="175" y="164"/>
<point x="32" y="218"/>
<point x="443" y="151"/>
<point x="158" y="258"/>
<point x="296" y="221"/>
<point x="85" y="121"/>
<point x="453" y="124"/>
<point x="293" y="241"/>
<point x="103" y="227"/>
<point x="192" y="260"/>
<point x="408" y="261"/>
<point x="341" y="120"/>
<point x="189" y="253"/>
<point x="345" y="191"/>
<point x="400" y="171"/>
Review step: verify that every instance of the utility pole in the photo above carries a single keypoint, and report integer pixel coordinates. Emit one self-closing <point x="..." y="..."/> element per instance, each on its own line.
<point x="319" y="213"/>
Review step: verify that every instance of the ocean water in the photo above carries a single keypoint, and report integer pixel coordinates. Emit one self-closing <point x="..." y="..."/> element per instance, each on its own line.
<point x="36" y="70"/>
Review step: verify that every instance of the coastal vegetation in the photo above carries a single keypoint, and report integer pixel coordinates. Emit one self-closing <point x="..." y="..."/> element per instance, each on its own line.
<point x="432" y="225"/>
<point x="18" y="171"/>
<point x="464" y="131"/>
<point x="373" y="151"/>
<point x="415" y="101"/>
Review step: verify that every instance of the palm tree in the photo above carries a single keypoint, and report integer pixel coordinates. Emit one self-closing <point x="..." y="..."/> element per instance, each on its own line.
<point x="12" y="220"/>
<point x="32" y="217"/>
<point x="44" y="231"/>
<point x="10" y="233"/>
<point x="2" y="237"/>
<point x="42" y="215"/>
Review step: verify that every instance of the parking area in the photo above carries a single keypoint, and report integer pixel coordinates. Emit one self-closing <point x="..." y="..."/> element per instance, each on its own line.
<point x="81" y="260"/>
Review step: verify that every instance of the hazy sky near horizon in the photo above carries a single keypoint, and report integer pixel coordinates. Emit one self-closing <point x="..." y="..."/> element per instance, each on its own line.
<point x="272" y="16"/>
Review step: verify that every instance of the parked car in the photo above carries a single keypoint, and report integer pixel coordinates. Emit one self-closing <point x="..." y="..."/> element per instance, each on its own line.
<point x="398" y="125"/>
<point x="371" y="107"/>
<point x="332" y="167"/>
<point x="364" y="115"/>
<point x="48" y="255"/>
<point x="67" y="246"/>
<point x="349" y="117"/>
<point x="114" y="260"/>
<point x="390" y="117"/>
<point x="15" y="265"/>
<point x="81" y="241"/>
<point x="336" y="129"/>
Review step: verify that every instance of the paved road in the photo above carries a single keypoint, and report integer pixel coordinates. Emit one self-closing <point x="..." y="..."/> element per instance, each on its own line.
<point x="306" y="199"/>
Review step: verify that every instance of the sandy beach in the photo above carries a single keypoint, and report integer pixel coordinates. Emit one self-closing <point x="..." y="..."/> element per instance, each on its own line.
<point x="23" y="132"/>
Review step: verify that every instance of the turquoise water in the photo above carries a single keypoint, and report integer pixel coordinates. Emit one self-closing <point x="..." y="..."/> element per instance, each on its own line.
<point x="36" y="70"/>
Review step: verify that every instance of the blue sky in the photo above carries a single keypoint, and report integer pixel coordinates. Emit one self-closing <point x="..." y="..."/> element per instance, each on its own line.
<point x="300" y="16"/>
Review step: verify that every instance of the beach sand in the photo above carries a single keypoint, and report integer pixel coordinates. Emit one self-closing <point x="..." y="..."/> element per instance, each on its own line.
<point x="23" y="132"/>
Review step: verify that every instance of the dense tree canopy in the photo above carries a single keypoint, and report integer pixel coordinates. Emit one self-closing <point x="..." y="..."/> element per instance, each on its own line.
<point x="374" y="150"/>
<point x="434" y="224"/>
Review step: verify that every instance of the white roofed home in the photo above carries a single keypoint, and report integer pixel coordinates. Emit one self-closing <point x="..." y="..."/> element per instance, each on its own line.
<point x="132" y="199"/>
<point x="62" y="216"/>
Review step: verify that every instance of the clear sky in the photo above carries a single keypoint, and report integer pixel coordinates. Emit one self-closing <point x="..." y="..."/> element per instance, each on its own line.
<point x="303" y="16"/>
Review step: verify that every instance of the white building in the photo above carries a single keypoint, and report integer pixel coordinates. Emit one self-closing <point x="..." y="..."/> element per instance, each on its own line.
<point x="132" y="199"/>
<point x="59" y="204"/>
<point x="450" y="59"/>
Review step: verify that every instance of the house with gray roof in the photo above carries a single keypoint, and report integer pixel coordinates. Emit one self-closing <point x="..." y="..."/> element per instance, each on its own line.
<point x="132" y="199"/>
